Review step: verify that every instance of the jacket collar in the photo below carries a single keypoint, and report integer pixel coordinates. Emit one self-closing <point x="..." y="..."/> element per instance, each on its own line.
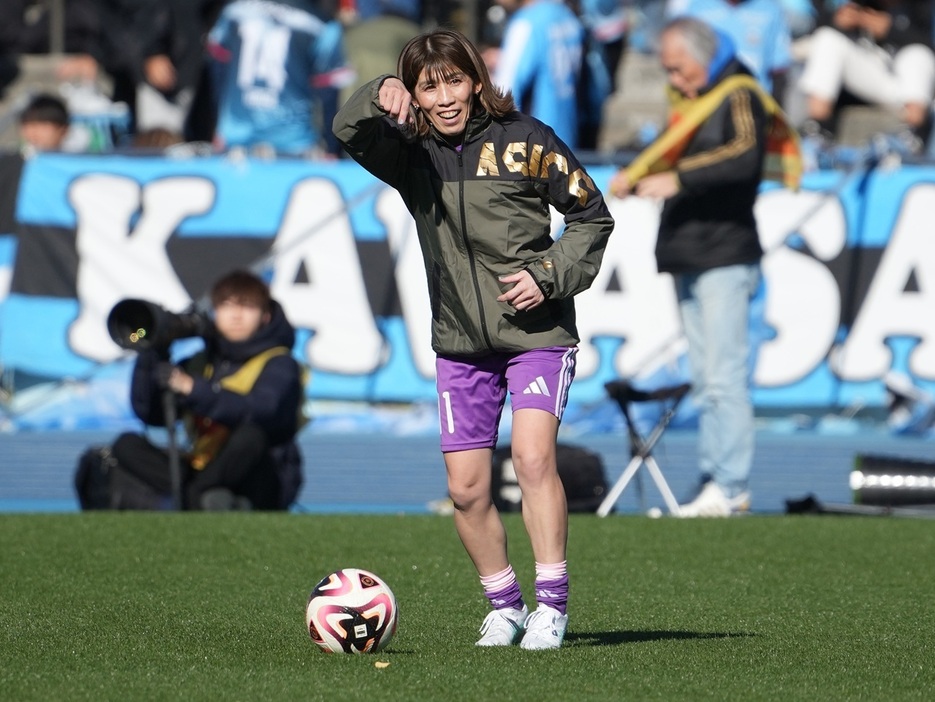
<point x="475" y="128"/>
<point x="732" y="67"/>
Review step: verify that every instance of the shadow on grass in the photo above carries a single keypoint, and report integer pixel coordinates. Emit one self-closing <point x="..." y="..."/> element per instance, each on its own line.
<point x="618" y="638"/>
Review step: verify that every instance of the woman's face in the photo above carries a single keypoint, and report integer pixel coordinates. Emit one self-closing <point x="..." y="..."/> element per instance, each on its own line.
<point x="446" y="102"/>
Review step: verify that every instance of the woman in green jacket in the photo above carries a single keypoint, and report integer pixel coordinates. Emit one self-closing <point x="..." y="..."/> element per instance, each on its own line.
<point x="479" y="179"/>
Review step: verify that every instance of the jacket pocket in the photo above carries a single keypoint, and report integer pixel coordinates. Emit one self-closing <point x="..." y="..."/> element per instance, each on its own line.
<point x="538" y="320"/>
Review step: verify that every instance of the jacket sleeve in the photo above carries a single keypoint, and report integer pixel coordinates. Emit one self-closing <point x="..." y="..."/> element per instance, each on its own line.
<point x="370" y="137"/>
<point x="272" y="403"/>
<point x="570" y="265"/>
<point x="736" y="154"/>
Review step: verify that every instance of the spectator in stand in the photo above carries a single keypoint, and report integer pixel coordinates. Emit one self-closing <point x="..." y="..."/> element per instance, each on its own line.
<point x="760" y="32"/>
<point x="605" y="27"/>
<point x="278" y="68"/>
<point x="151" y="52"/>
<point x="172" y="95"/>
<point x="873" y="52"/>
<point x="375" y="33"/>
<point x="112" y="41"/>
<point x="539" y="62"/>
<point x="43" y="124"/>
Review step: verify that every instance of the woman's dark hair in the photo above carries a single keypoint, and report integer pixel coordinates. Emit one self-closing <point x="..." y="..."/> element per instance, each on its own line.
<point x="441" y="54"/>
<point x="243" y="287"/>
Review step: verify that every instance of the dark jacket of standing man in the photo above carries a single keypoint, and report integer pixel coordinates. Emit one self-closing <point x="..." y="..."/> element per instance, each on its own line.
<point x="709" y="221"/>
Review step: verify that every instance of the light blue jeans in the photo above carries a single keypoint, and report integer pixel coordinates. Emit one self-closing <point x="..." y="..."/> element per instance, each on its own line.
<point x="715" y="310"/>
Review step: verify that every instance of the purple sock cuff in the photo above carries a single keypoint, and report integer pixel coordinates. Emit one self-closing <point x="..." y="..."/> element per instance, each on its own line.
<point x="507" y="597"/>
<point x="553" y="593"/>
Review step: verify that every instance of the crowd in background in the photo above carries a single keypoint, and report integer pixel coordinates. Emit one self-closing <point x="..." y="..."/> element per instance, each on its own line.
<point x="268" y="75"/>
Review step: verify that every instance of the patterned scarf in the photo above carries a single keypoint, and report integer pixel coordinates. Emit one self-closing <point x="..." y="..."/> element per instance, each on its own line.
<point x="783" y="162"/>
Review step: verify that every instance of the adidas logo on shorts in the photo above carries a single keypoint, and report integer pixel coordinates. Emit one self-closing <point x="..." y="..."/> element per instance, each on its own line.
<point x="537" y="387"/>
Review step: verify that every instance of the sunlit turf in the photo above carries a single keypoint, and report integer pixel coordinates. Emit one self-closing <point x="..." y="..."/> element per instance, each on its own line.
<point x="210" y="607"/>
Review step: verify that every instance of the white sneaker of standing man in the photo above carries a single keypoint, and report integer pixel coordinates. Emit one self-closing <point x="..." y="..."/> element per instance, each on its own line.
<point x="713" y="502"/>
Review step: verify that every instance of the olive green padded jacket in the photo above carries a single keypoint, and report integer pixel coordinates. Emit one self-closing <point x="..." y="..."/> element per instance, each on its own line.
<point x="482" y="211"/>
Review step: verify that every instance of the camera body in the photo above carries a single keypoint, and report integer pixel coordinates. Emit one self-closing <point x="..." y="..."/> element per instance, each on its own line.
<point x="137" y="325"/>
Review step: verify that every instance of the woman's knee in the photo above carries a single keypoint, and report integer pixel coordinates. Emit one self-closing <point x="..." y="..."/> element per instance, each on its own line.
<point x="534" y="462"/>
<point x="469" y="477"/>
<point x="467" y="494"/>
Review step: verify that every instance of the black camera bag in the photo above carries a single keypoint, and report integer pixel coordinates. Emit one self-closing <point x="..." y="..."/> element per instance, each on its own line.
<point x="581" y="472"/>
<point x="102" y="483"/>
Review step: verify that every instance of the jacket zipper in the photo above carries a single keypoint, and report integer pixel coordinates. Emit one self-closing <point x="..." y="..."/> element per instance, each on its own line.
<point x="470" y="252"/>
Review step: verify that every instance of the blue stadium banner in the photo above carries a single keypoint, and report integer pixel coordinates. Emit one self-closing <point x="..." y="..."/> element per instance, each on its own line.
<point x="849" y="266"/>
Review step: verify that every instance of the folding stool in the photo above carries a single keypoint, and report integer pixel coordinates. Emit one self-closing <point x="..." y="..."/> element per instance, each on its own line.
<point x="640" y="447"/>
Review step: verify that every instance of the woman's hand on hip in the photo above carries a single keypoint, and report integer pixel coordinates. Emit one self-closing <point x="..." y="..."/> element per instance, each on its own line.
<point x="525" y="293"/>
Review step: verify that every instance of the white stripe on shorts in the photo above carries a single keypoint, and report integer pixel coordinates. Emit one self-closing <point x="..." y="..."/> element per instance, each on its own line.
<point x="564" y="381"/>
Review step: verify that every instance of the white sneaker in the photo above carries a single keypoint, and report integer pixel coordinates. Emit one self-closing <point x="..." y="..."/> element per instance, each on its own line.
<point x="545" y="628"/>
<point x="712" y="502"/>
<point x="503" y="627"/>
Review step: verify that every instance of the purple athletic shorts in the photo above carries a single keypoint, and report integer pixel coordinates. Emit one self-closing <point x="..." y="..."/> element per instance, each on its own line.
<point x="472" y="391"/>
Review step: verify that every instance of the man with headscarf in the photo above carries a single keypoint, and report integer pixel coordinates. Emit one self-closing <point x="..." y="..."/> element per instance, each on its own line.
<point x="725" y="134"/>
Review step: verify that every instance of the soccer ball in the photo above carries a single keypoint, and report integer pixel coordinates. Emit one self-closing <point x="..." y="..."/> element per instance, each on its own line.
<point x="351" y="611"/>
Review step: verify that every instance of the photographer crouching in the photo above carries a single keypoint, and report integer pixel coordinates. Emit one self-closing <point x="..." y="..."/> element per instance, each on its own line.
<point x="240" y="400"/>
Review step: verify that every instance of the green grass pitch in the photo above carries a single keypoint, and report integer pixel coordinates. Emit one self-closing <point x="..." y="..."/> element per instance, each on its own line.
<point x="211" y="607"/>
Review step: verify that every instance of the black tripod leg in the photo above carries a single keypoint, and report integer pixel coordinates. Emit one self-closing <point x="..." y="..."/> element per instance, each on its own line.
<point x="175" y="465"/>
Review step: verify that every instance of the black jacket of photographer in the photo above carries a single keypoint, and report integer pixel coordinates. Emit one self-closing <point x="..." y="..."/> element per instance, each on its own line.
<point x="273" y="402"/>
